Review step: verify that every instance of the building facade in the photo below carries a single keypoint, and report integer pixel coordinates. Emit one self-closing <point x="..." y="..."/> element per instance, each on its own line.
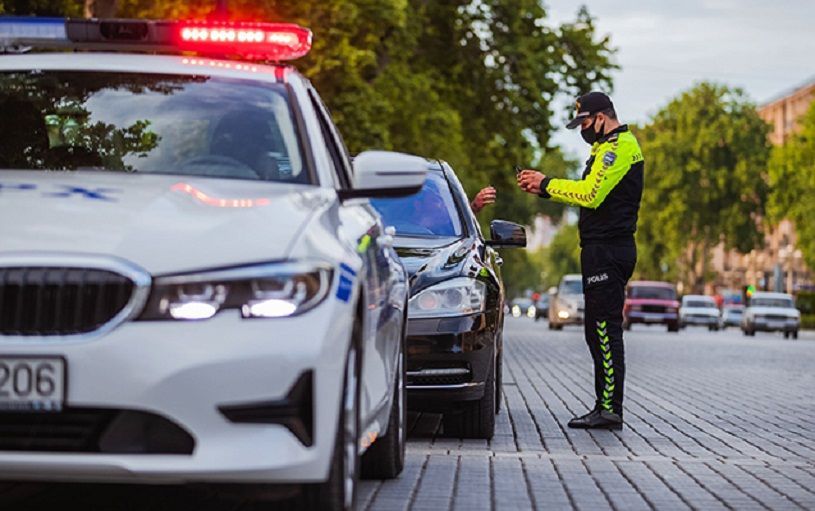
<point x="779" y="265"/>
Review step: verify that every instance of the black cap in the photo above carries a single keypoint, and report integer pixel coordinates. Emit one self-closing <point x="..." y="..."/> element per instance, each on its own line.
<point x="588" y="104"/>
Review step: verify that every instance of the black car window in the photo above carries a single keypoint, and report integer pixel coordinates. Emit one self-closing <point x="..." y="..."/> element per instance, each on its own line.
<point x="772" y="302"/>
<point x="651" y="293"/>
<point x="149" y="123"/>
<point x="431" y="212"/>
<point x="699" y="304"/>
<point x="571" y="287"/>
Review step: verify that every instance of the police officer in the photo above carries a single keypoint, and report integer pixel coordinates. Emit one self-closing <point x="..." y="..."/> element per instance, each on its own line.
<point x="608" y="195"/>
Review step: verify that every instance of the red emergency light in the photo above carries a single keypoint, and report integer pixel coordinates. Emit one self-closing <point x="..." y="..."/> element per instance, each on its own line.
<point x="274" y="41"/>
<point x="249" y="40"/>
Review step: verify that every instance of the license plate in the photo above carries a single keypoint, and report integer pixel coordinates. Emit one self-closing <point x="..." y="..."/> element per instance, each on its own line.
<point x="653" y="317"/>
<point x="32" y="383"/>
<point x="775" y="324"/>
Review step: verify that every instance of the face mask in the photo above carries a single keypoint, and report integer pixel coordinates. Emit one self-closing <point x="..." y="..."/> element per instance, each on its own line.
<point x="589" y="135"/>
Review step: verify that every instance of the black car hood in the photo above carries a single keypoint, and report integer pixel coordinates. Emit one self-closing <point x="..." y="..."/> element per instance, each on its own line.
<point x="428" y="264"/>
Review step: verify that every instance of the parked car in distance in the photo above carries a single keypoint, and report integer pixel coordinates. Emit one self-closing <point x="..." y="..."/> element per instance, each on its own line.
<point x="522" y="307"/>
<point x="651" y="303"/>
<point x="731" y="315"/>
<point x="542" y="306"/>
<point x="455" y="312"/>
<point x="771" y="312"/>
<point x="699" y="310"/>
<point x="567" y="305"/>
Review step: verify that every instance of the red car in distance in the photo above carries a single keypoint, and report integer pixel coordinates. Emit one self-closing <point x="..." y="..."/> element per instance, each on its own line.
<point x="650" y="303"/>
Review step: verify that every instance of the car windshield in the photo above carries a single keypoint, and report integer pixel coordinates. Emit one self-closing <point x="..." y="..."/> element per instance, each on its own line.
<point x="572" y="287"/>
<point x="772" y="302"/>
<point x="148" y="123"/>
<point x="700" y="304"/>
<point x="651" y="293"/>
<point x="431" y="212"/>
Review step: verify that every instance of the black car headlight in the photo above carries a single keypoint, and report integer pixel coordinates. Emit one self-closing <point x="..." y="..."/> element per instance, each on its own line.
<point x="456" y="297"/>
<point x="272" y="290"/>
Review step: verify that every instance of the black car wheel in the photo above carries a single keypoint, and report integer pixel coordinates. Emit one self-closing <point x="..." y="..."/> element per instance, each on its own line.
<point x="477" y="420"/>
<point x="499" y="376"/>
<point x="385" y="459"/>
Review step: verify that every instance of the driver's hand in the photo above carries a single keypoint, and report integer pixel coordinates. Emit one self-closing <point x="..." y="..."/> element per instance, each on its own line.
<point x="482" y="198"/>
<point x="530" y="181"/>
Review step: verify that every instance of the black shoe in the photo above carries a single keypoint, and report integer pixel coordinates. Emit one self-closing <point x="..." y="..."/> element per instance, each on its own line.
<point x="597" y="419"/>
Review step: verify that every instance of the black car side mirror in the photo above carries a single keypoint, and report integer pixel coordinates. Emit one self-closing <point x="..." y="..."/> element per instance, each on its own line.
<point x="506" y="234"/>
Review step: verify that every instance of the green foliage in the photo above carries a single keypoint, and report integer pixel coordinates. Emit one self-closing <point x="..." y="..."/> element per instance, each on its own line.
<point x="64" y="8"/>
<point x="563" y="254"/>
<point x="705" y="182"/>
<point x="792" y="181"/>
<point x="472" y="83"/>
<point x="805" y="302"/>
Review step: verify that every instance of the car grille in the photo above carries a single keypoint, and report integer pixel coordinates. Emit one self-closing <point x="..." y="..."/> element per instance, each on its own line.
<point x="775" y="317"/>
<point x="653" y="308"/>
<point x="93" y="430"/>
<point x="60" y="301"/>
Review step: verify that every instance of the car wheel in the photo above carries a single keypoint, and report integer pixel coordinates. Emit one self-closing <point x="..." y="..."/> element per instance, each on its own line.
<point x="477" y="420"/>
<point x="673" y="327"/>
<point x="499" y="376"/>
<point x="338" y="493"/>
<point x="795" y="334"/>
<point x="626" y="325"/>
<point x="786" y="334"/>
<point x="385" y="459"/>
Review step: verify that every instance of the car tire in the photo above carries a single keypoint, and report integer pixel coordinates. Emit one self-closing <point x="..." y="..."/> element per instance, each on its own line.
<point x="626" y="325"/>
<point x="499" y="375"/>
<point x="673" y="327"/>
<point x="385" y="459"/>
<point x="477" y="420"/>
<point x="786" y="334"/>
<point x="338" y="493"/>
<point x="795" y="334"/>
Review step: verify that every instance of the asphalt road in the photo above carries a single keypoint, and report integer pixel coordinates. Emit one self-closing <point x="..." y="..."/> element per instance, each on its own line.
<point x="714" y="420"/>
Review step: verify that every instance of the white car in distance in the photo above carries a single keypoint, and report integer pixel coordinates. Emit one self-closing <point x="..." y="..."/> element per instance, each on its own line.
<point x="771" y="312"/>
<point x="699" y="310"/>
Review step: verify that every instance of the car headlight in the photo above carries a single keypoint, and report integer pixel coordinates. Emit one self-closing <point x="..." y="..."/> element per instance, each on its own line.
<point x="272" y="290"/>
<point x="455" y="297"/>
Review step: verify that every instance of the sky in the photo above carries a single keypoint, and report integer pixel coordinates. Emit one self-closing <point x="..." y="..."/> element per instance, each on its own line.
<point x="665" y="47"/>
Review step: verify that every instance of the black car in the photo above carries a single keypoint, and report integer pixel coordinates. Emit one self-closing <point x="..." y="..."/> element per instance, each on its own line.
<point x="456" y="307"/>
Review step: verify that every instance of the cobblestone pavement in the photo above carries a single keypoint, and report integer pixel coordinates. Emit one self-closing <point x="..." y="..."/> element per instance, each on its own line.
<point x="714" y="420"/>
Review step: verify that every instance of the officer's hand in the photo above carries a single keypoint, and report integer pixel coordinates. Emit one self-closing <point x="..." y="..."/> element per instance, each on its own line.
<point x="482" y="198"/>
<point x="530" y="181"/>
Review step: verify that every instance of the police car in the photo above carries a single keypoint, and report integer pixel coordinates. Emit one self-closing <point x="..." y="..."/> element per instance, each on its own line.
<point x="194" y="287"/>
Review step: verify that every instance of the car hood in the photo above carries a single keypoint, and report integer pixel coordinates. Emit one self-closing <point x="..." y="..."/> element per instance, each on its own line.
<point x="774" y="311"/>
<point x="160" y="223"/>
<point x="427" y="265"/>
<point x="573" y="299"/>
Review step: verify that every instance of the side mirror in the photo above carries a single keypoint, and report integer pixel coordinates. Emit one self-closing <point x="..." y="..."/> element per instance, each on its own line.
<point x="506" y="234"/>
<point x="385" y="174"/>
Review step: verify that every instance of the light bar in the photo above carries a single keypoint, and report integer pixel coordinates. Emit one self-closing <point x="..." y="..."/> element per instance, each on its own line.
<point x="256" y="41"/>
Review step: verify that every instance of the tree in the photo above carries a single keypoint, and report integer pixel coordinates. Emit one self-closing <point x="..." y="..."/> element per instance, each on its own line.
<point x="792" y="181"/>
<point x="564" y="253"/>
<point x="705" y="181"/>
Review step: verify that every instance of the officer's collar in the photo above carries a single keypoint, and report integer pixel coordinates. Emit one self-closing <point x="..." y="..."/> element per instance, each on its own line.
<point x="612" y="135"/>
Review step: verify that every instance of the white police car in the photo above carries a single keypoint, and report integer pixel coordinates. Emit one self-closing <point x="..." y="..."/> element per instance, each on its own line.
<point x="193" y="286"/>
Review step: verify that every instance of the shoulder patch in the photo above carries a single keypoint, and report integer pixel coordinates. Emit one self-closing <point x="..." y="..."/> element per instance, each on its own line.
<point x="609" y="158"/>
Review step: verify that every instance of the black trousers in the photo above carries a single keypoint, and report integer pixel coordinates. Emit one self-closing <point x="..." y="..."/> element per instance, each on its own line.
<point x="606" y="270"/>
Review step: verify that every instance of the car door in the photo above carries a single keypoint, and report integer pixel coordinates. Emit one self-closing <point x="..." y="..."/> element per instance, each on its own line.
<point x="385" y="282"/>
